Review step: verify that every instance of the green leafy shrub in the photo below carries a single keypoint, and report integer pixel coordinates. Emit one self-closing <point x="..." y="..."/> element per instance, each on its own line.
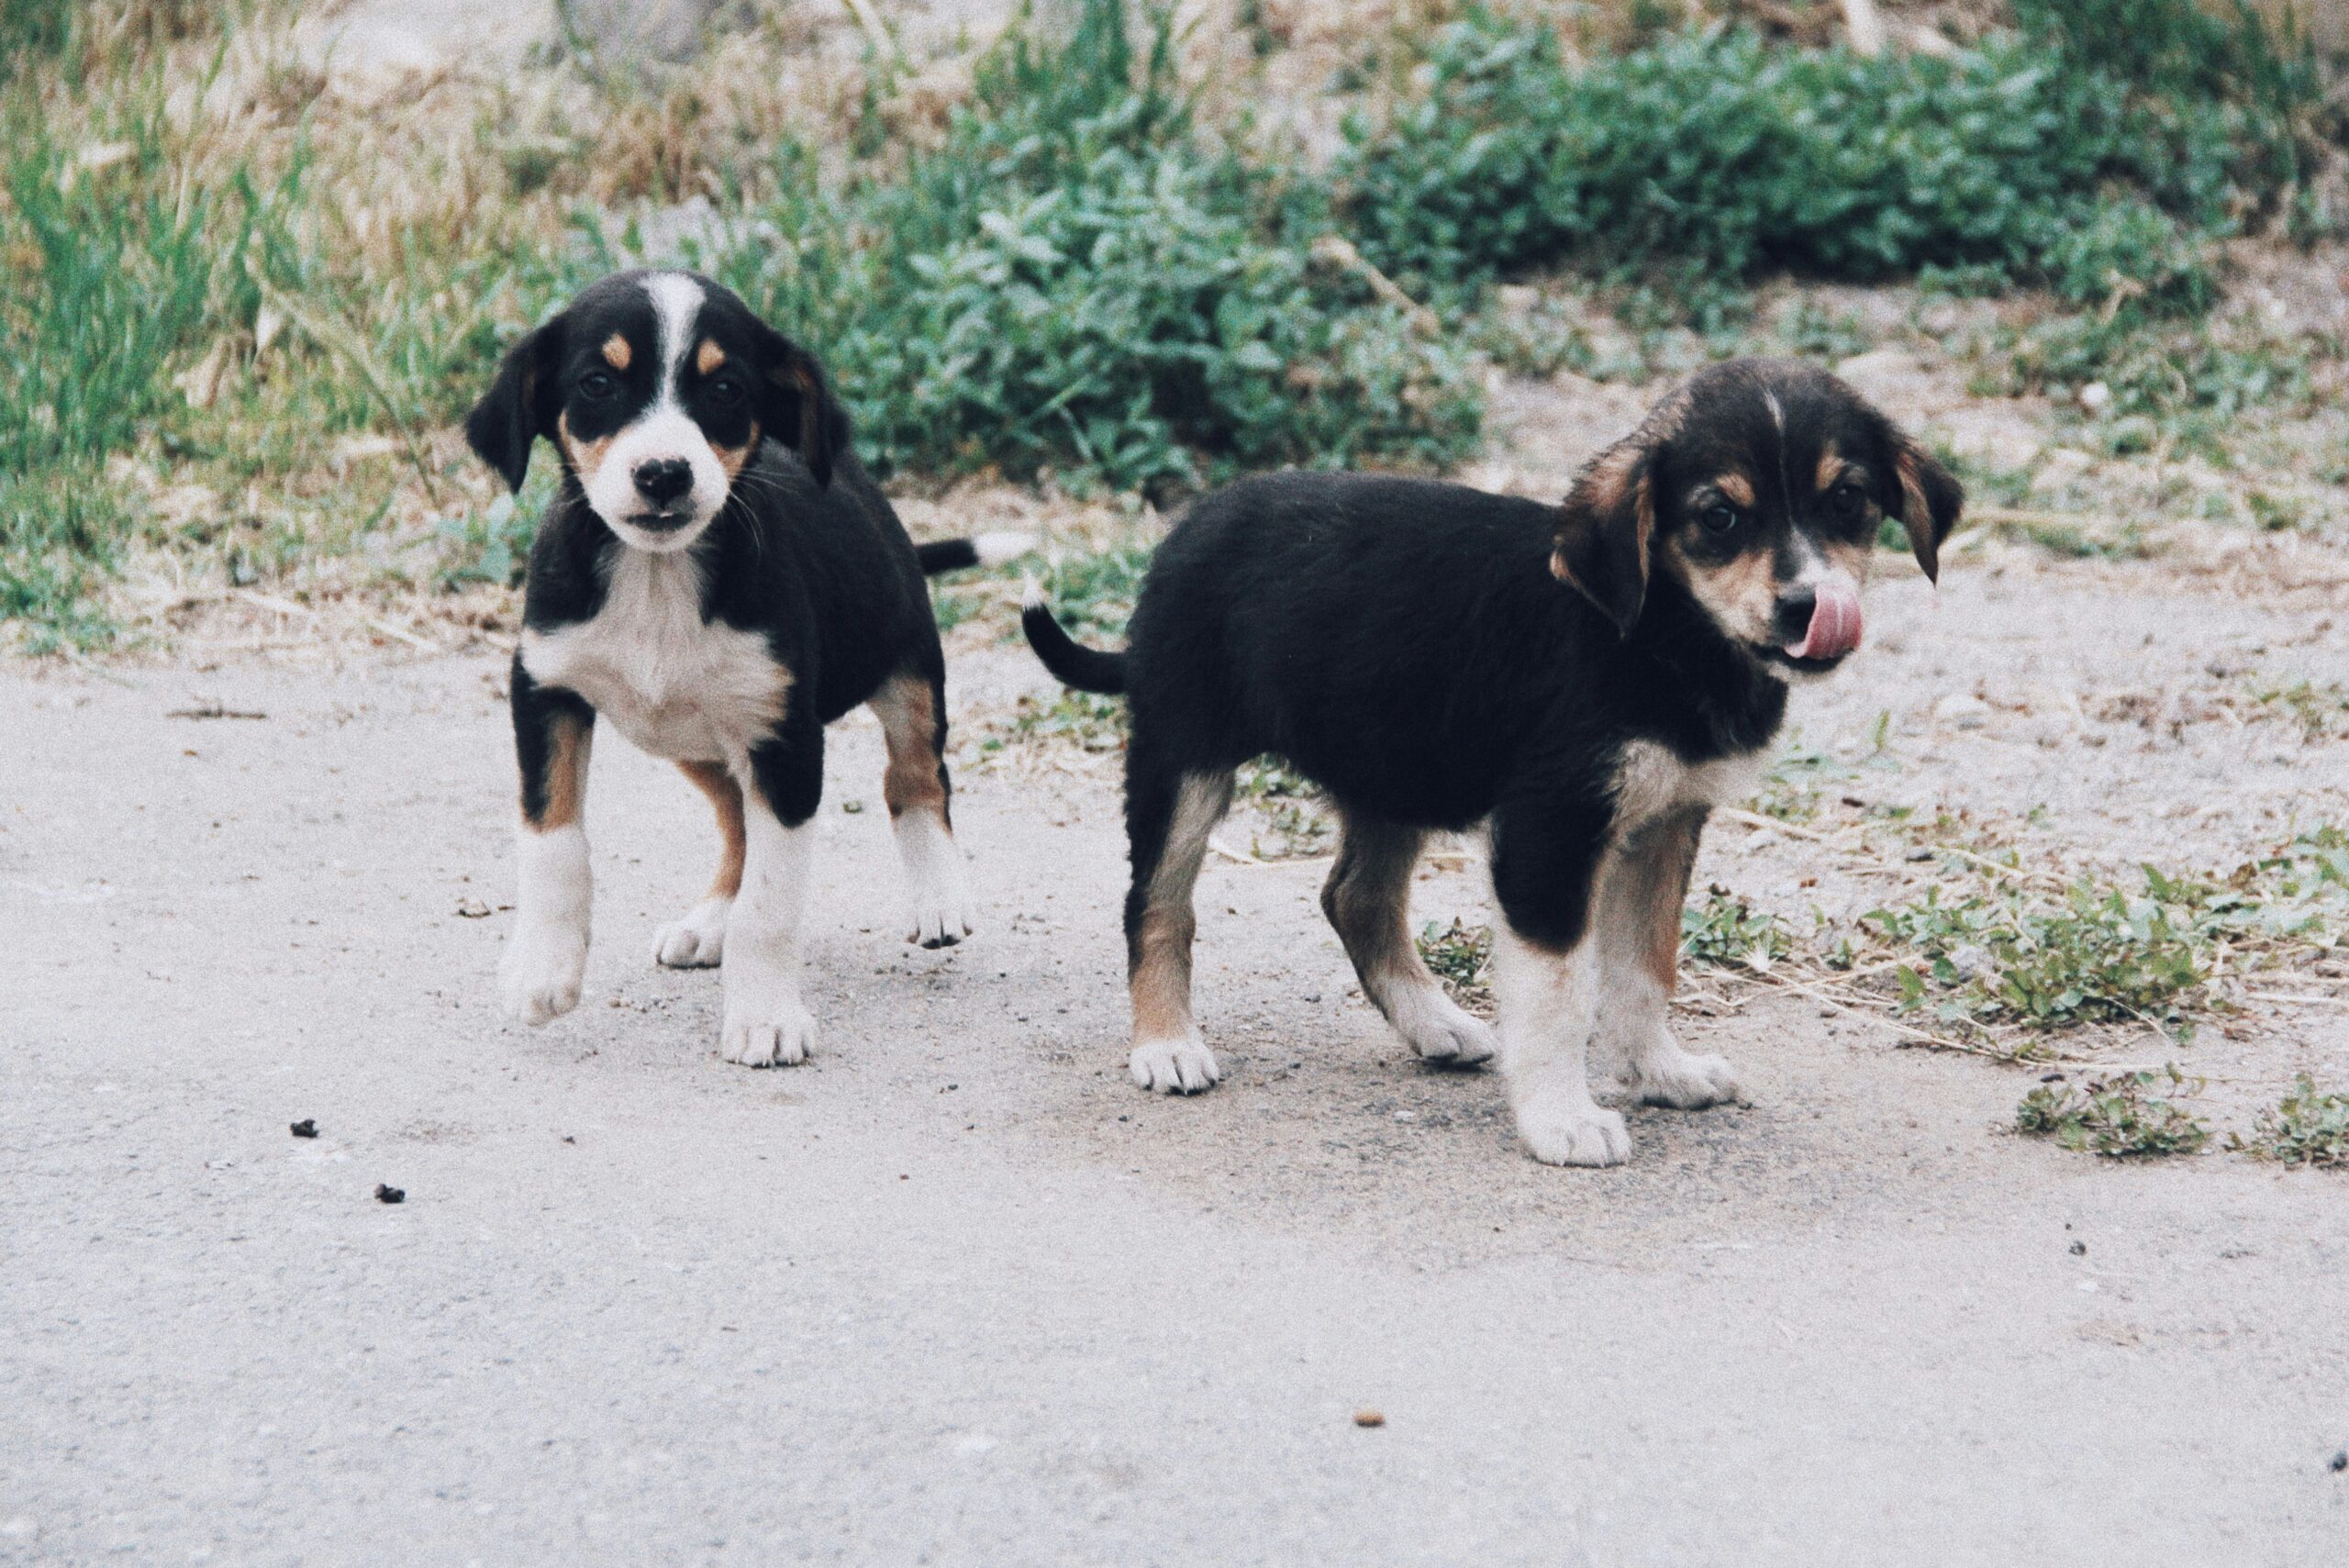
<point x="1077" y="281"/>
<point x="2308" y="1127"/>
<point x="2115" y="1117"/>
<point x="1718" y="153"/>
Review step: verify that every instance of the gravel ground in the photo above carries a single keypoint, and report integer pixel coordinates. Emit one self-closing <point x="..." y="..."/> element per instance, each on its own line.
<point x="986" y="1303"/>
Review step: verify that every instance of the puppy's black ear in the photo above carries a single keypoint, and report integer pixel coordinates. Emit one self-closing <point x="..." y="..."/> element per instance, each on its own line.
<point x="521" y="404"/>
<point x="1930" y="500"/>
<point x="796" y="406"/>
<point x="1605" y="529"/>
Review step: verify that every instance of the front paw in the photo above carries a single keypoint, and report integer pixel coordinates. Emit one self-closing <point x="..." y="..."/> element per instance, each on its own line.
<point x="1573" y="1130"/>
<point x="779" y="1033"/>
<point x="1178" y="1066"/>
<point x="539" y="978"/>
<point x="940" y="924"/>
<point x="1684" y="1082"/>
<point x="695" y="940"/>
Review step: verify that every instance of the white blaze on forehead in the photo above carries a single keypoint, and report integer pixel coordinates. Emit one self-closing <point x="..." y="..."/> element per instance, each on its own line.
<point x="677" y="304"/>
<point x="664" y="432"/>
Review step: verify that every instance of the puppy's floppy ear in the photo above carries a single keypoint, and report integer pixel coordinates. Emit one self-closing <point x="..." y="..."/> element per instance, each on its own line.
<point x="1605" y="530"/>
<point x="1930" y="500"/>
<point x="521" y="404"/>
<point x="796" y="406"/>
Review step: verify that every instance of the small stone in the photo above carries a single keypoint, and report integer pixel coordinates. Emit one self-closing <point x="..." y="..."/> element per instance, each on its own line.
<point x="1962" y="710"/>
<point x="2340" y="1461"/>
<point x="305" y="1127"/>
<point x="384" y="1194"/>
<point x="2096" y="397"/>
<point x="1374" y="1418"/>
<point x="2080" y="1248"/>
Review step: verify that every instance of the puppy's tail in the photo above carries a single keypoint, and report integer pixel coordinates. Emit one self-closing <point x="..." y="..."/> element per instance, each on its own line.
<point x="961" y="554"/>
<point x="1086" y="669"/>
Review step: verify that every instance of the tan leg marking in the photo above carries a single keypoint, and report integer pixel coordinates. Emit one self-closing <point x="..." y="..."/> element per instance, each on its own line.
<point x="1368" y="900"/>
<point x="725" y="798"/>
<point x="909" y="713"/>
<point x="1159" y="962"/>
<point x="569" y="740"/>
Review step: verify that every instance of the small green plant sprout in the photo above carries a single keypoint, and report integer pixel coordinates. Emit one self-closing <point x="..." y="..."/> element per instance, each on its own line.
<point x="2116" y="1117"/>
<point x="1724" y="930"/>
<point x="1285" y="802"/>
<point x="2320" y="708"/>
<point x="2310" y="1127"/>
<point x="1461" y="956"/>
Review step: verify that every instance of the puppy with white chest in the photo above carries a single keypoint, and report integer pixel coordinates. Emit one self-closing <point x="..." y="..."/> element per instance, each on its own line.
<point x="1589" y="679"/>
<point x="720" y="579"/>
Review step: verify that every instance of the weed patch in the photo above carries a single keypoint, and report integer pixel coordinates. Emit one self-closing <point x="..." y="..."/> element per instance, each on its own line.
<point x="2117" y="1116"/>
<point x="1461" y="956"/>
<point x="2309" y="1127"/>
<point x="1724" y="930"/>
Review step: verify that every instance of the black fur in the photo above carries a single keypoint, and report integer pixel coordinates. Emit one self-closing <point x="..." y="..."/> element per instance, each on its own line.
<point x="805" y="550"/>
<point x="1411" y="646"/>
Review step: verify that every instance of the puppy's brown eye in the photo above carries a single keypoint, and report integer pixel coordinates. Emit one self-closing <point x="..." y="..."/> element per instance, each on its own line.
<point x="1847" y="501"/>
<point x="725" y="390"/>
<point x="596" y="385"/>
<point x="1718" y="518"/>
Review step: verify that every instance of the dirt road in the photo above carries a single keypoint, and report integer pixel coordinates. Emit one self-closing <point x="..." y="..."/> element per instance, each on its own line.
<point x="956" y="1293"/>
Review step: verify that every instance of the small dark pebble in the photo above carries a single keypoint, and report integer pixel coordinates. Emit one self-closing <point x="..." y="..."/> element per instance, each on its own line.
<point x="2080" y="1248"/>
<point x="305" y="1127"/>
<point x="2341" y="1461"/>
<point x="2051" y="1077"/>
<point x="389" y="1194"/>
<point x="1369" y="1419"/>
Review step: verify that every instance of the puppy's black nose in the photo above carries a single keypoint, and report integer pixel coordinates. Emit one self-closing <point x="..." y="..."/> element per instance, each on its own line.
<point x="1791" y="618"/>
<point x="663" y="480"/>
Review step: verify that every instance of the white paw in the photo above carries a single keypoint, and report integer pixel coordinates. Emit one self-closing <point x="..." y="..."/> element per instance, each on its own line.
<point x="779" y="1034"/>
<point x="1563" y="1129"/>
<point x="934" y="867"/>
<point x="940" y="919"/>
<point x="1684" y="1082"/>
<point x="1444" y="1034"/>
<point x="1178" y="1066"/>
<point x="695" y="940"/>
<point x="538" y="977"/>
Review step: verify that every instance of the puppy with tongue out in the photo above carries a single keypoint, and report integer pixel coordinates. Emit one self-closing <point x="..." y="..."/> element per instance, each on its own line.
<point x="1588" y="679"/>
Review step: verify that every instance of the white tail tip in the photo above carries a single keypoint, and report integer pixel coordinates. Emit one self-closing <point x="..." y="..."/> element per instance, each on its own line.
<point x="1031" y="593"/>
<point x="995" y="548"/>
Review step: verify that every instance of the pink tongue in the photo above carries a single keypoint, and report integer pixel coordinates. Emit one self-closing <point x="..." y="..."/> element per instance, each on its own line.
<point x="1834" y="624"/>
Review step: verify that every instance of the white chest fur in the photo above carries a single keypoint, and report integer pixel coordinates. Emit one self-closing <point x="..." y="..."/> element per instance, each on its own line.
<point x="1650" y="781"/>
<point x="676" y="686"/>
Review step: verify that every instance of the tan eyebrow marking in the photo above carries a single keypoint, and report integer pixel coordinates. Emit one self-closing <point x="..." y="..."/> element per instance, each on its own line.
<point x="1736" y="488"/>
<point x="1831" y="468"/>
<point x="617" y="353"/>
<point x="708" y="357"/>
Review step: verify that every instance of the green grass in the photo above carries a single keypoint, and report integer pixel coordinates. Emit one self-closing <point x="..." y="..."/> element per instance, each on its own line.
<point x="1717" y="154"/>
<point x="2116" y="1117"/>
<point x="1098" y="274"/>
<point x="1723" y="929"/>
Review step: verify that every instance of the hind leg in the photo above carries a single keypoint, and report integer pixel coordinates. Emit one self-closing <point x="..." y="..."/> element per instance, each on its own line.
<point x="1168" y="818"/>
<point x="1368" y="899"/>
<point x="696" y="939"/>
<point x="912" y="710"/>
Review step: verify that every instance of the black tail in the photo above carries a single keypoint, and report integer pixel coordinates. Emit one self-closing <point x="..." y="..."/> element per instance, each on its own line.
<point x="946" y="555"/>
<point x="961" y="554"/>
<point x="1086" y="669"/>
